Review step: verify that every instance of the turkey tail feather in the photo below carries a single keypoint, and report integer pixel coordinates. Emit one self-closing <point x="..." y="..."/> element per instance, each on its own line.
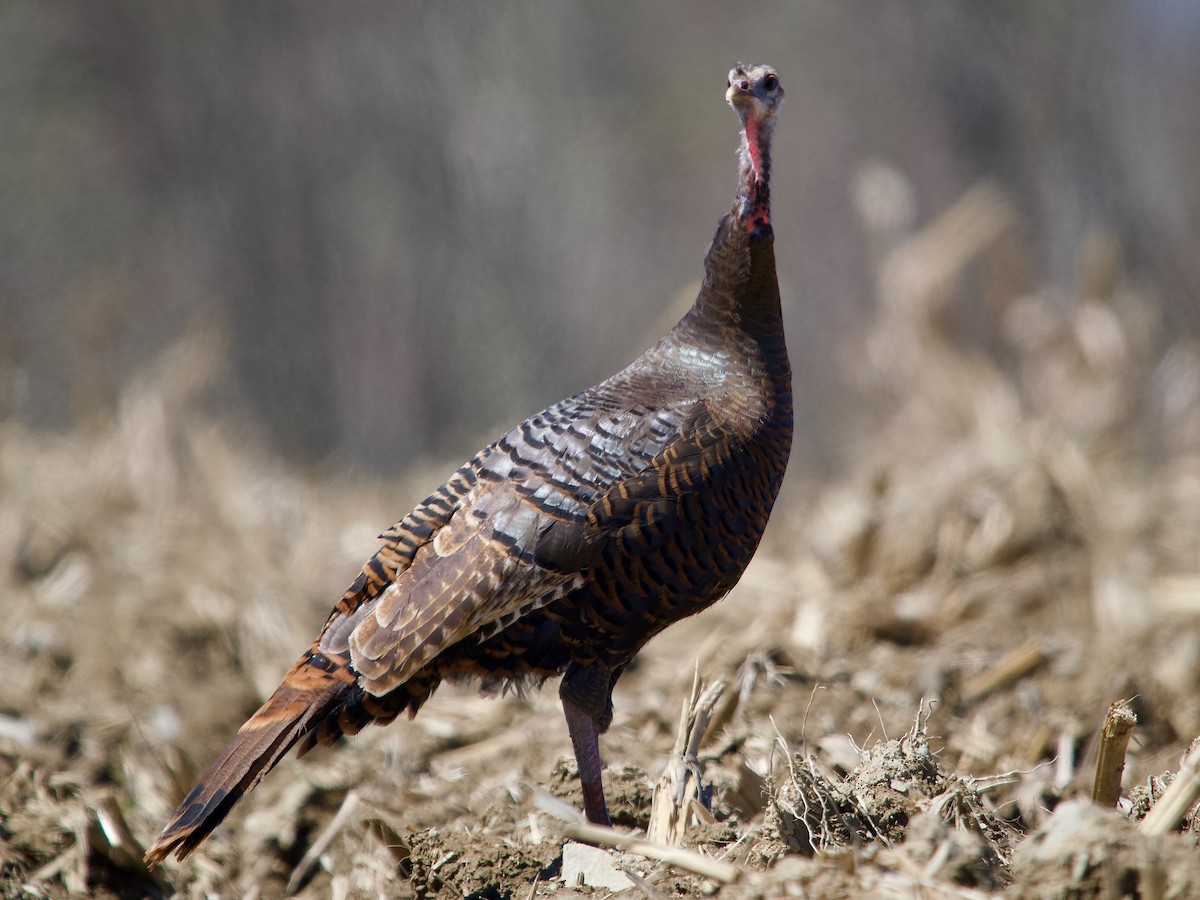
<point x="312" y="691"/>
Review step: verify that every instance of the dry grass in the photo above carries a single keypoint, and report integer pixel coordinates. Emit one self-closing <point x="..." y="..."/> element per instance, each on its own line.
<point x="1017" y="534"/>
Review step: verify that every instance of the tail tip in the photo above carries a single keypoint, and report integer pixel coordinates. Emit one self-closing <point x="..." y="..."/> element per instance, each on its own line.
<point x="164" y="847"/>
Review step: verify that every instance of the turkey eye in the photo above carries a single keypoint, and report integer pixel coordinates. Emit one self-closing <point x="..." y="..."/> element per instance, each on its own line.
<point x="770" y="82"/>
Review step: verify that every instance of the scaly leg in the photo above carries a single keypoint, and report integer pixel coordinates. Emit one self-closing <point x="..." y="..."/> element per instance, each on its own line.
<point x="584" y="738"/>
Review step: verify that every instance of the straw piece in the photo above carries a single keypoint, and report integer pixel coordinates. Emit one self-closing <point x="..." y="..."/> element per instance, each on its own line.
<point x="601" y="836"/>
<point x="1012" y="667"/>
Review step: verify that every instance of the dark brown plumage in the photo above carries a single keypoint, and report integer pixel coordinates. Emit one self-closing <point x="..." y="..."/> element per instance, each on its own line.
<point x="572" y="540"/>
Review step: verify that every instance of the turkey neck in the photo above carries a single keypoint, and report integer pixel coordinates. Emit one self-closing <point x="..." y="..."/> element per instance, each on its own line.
<point x="740" y="294"/>
<point x="752" y="208"/>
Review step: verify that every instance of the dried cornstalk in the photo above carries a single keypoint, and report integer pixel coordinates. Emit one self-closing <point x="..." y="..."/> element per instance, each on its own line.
<point x="1114" y="738"/>
<point x="672" y="809"/>
<point x="914" y="277"/>
<point x="1173" y="805"/>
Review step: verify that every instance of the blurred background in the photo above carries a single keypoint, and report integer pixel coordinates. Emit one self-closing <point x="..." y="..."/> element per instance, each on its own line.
<point x="269" y="271"/>
<point x="411" y="224"/>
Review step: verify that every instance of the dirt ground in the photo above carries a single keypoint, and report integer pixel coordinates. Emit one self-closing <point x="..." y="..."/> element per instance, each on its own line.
<point x="916" y="666"/>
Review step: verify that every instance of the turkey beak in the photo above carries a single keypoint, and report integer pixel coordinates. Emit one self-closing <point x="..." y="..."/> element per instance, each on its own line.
<point x="739" y="86"/>
<point x="744" y="102"/>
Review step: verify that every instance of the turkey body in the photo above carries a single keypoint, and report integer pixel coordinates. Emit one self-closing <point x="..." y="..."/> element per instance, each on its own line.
<point x="564" y="546"/>
<point x="630" y="506"/>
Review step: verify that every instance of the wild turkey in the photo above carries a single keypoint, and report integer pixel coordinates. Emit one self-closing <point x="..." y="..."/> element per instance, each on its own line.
<point x="572" y="540"/>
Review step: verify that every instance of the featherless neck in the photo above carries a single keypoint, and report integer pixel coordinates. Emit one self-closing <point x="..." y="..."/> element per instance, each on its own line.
<point x="739" y="300"/>
<point x="752" y="209"/>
